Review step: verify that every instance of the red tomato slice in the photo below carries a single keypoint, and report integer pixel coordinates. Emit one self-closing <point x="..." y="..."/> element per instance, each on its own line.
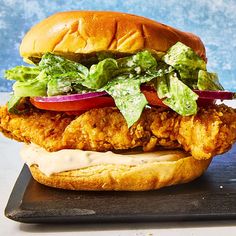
<point x="80" y="105"/>
<point x="152" y="98"/>
<point x="77" y="107"/>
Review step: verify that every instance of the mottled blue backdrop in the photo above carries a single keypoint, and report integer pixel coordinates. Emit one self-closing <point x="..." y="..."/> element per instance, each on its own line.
<point x="214" y="21"/>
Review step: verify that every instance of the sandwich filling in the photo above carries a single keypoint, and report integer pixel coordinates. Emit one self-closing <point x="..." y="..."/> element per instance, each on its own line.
<point x="174" y="76"/>
<point x="72" y="159"/>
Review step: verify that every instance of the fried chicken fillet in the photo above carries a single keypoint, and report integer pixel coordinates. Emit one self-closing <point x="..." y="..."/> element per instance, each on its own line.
<point x="212" y="131"/>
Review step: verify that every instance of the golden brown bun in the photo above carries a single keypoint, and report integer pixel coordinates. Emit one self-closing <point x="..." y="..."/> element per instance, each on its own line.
<point x="83" y="32"/>
<point x="126" y="178"/>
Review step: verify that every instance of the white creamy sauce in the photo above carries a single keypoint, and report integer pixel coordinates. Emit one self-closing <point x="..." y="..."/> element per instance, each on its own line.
<point x="72" y="159"/>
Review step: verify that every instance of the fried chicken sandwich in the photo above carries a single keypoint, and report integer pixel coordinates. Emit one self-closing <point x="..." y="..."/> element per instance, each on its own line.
<point x="114" y="101"/>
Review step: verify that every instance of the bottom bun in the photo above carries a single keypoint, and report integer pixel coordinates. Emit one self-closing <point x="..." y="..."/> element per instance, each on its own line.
<point x="142" y="177"/>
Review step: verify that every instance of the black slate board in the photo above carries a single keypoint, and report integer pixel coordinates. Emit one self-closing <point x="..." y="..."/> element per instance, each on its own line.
<point x="211" y="197"/>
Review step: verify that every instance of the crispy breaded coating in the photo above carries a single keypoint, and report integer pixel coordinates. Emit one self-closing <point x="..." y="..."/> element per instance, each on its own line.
<point x="43" y="128"/>
<point x="212" y="131"/>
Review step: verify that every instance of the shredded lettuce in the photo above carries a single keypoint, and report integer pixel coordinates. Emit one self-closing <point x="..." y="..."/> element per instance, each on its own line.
<point x="162" y="87"/>
<point x="208" y="81"/>
<point x="22" y="73"/>
<point x="178" y="96"/>
<point x="128" y="97"/>
<point x="12" y="104"/>
<point x="136" y="64"/>
<point x="174" y="76"/>
<point x="100" y="73"/>
<point x="186" y="62"/>
<point x="125" y="87"/>
<point x="144" y="60"/>
<point x="64" y="84"/>
<point x="57" y="65"/>
<point x="59" y="86"/>
<point x="32" y="87"/>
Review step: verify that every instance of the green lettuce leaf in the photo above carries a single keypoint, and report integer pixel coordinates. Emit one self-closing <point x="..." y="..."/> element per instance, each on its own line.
<point x="144" y="60"/>
<point x="64" y="84"/>
<point x="57" y="65"/>
<point x="208" y="81"/>
<point x="12" y="104"/>
<point x="125" y="86"/>
<point x="64" y="76"/>
<point x="179" y="70"/>
<point x="100" y="73"/>
<point x="162" y="86"/>
<point x="161" y="82"/>
<point x="21" y="73"/>
<point x="122" y="79"/>
<point x="178" y="96"/>
<point x="33" y="87"/>
<point x="186" y="62"/>
<point x="128" y="97"/>
<point x="89" y="60"/>
<point x="136" y="64"/>
<point x="59" y="86"/>
<point x="15" y="105"/>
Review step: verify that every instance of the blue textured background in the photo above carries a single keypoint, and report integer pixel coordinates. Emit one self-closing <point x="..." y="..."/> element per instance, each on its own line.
<point x="214" y="21"/>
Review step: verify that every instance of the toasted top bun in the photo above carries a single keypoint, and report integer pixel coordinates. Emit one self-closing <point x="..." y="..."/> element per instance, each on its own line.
<point x="83" y="32"/>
